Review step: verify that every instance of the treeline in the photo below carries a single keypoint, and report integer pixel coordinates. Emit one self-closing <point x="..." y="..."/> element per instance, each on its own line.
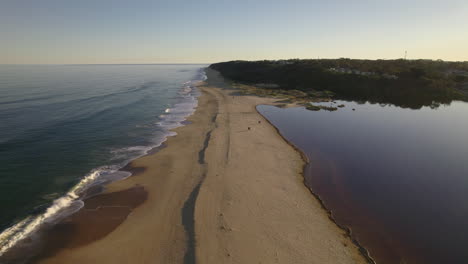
<point x="405" y="83"/>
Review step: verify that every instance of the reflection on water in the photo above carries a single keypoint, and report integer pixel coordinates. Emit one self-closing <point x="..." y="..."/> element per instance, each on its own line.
<point x="397" y="177"/>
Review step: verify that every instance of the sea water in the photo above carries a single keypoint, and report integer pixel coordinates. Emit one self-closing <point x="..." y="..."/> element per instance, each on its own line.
<point x="65" y="128"/>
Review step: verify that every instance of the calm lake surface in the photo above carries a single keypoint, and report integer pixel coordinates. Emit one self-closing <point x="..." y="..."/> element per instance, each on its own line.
<point x="397" y="177"/>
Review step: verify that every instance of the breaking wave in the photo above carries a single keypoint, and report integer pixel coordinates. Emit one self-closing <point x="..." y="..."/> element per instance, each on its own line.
<point x="72" y="201"/>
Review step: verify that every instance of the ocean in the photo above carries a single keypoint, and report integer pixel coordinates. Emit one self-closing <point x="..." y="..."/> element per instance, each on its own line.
<point x="396" y="177"/>
<point x="66" y="128"/>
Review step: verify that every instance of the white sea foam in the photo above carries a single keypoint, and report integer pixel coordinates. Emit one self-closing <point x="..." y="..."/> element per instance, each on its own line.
<point x="60" y="208"/>
<point x="71" y="202"/>
<point x="130" y="153"/>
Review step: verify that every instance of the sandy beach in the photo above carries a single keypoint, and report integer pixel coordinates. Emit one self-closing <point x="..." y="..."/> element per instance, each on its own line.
<point x="226" y="189"/>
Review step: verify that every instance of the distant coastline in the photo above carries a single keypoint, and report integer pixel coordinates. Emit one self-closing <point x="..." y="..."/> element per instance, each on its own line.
<point x="404" y="83"/>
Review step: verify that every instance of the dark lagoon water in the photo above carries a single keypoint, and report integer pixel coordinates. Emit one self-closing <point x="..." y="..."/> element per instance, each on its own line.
<point x="397" y="177"/>
<point x="65" y="128"/>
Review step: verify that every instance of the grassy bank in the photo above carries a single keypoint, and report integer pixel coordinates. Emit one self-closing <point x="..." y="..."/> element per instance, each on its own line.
<point x="405" y="83"/>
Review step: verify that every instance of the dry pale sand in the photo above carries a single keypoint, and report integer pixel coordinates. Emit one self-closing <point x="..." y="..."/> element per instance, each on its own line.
<point x="219" y="193"/>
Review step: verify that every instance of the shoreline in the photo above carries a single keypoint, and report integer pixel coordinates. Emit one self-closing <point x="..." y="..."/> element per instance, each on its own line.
<point x="22" y="239"/>
<point x="365" y="253"/>
<point x="272" y="215"/>
<point x="24" y="234"/>
<point x="194" y="167"/>
<point x="140" y="167"/>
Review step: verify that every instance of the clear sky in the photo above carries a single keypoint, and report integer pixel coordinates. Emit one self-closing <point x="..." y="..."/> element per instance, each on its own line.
<point x="205" y="31"/>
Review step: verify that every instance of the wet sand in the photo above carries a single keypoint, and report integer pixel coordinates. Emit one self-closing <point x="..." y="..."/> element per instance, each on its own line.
<point x="105" y="212"/>
<point x="226" y="189"/>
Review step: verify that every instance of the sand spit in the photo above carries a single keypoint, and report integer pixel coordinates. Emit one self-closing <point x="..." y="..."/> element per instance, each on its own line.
<point x="226" y="189"/>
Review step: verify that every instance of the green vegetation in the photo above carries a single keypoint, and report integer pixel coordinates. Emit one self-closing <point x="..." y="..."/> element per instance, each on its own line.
<point x="313" y="107"/>
<point x="405" y="83"/>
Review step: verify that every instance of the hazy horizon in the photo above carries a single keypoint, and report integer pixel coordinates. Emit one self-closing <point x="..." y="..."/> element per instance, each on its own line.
<point x="165" y="32"/>
<point x="207" y="63"/>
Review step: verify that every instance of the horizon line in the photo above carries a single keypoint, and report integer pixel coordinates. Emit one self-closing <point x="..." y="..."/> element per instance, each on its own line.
<point x="96" y="64"/>
<point x="209" y="63"/>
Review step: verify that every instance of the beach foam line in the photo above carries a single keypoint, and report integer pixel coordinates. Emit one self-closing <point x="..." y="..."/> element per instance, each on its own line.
<point x="59" y="207"/>
<point x="71" y="202"/>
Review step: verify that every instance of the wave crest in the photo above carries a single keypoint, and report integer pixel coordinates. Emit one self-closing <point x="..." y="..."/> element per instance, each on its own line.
<point x="71" y="202"/>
